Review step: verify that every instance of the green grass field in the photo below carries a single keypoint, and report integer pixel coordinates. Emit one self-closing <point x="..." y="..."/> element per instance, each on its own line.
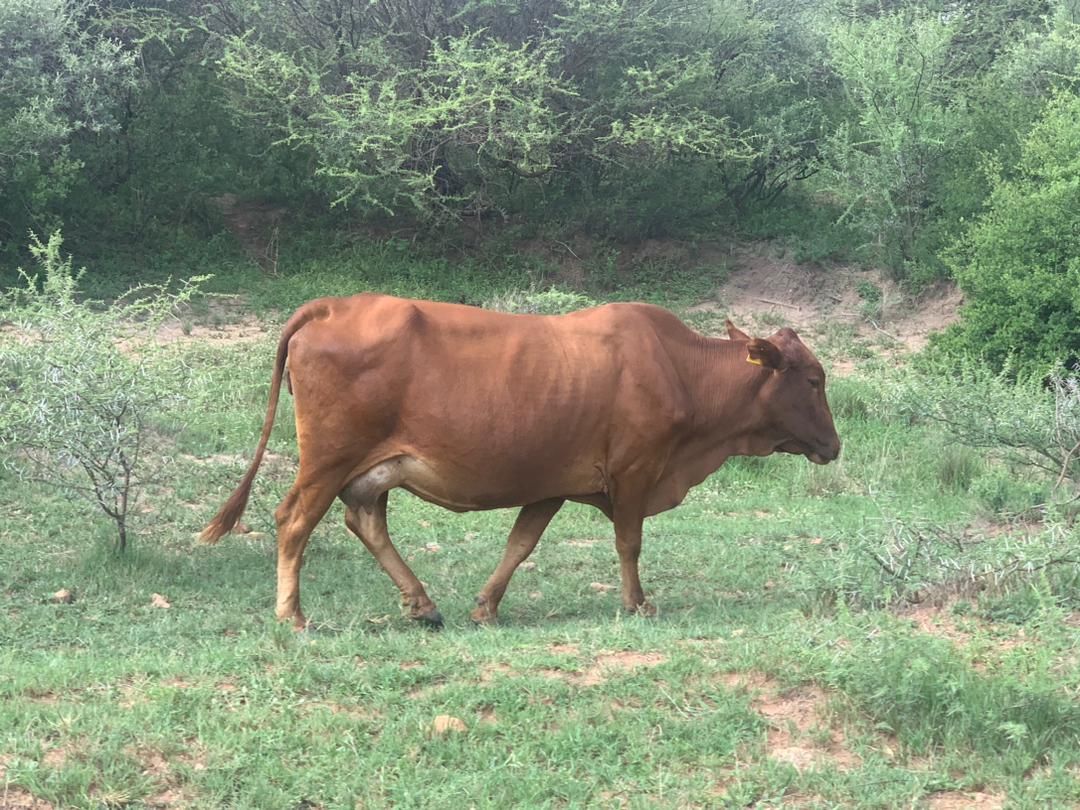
<point x="867" y="634"/>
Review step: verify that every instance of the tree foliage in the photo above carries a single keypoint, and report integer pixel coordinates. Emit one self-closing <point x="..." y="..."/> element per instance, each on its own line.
<point x="904" y="124"/>
<point x="60" y="79"/>
<point x="1019" y="263"/>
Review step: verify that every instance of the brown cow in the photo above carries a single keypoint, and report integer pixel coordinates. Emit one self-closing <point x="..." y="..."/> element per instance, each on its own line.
<point x="622" y="407"/>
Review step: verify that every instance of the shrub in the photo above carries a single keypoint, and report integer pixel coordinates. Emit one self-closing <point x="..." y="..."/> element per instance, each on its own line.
<point x="85" y="383"/>
<point x="1019" y="264"/>
<point x="959" y="466"/>
<point x="1031" y="422"/>
<point x="1002" y="493"/>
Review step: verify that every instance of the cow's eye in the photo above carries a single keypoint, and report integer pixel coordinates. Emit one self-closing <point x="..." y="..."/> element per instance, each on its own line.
<point x="815" y="383"/>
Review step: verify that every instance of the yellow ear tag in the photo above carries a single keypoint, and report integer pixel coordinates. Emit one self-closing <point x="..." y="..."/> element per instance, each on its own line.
<point x="753" y="360"/>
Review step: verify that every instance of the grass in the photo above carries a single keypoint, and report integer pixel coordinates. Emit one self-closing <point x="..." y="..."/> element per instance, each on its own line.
<point x="781" y="670"/>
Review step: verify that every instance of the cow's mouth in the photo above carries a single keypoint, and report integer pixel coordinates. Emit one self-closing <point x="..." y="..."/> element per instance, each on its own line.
<point x="818" y="455"/>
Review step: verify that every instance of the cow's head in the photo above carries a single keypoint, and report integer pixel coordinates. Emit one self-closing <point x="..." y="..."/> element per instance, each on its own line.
<point x="793" y="396"/>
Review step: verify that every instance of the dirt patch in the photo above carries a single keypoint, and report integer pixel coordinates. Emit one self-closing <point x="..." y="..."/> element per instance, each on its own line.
<point x="768" y="289"/>
<point x="178" y="683"/>
<point x="57" y="756"/>
<point x="227" y="322"/>
<point x="46" y="698"/>
<point x="957" y="800"/>
<point x="171" y="797"/>
<point x="938" y="620"/>
<point x="247" y="329"/>
<point x="604" y="666"/>
<point x="799" y="732"/>
<point x="154" y="764"/>
<point x="15" y="798"/>
<point x="193" y="758"/>
<point x="159" y="769"/>
<point x="489" y="672"/>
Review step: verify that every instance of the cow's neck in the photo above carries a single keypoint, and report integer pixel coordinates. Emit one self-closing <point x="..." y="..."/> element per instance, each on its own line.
<point x="726" y="417"/>
<point x="725" y="391"/>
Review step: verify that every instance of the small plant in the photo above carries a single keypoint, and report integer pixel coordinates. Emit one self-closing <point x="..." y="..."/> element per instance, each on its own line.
<point x="1003" y="494"/>
<point x="959" y="465"/>
<point x="84" y="383"/>
<point x="850" y="398"/>
<point x="532" y="301"/>
<point x="1031" y="423"/>
<point x="871" y="296"/>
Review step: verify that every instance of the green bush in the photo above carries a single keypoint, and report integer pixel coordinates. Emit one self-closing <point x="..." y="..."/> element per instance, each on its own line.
<point x="1019" y="263"/>
<point x="85" y="383"/>
<point x="902" y="126"/>
<point x="59" y="79"/>
<point x="1003" y="493"/>
<point x="1031" y="423"/>
<point x="959" y="466"/>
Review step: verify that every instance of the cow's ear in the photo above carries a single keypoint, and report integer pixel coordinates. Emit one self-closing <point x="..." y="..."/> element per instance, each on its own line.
<point x="764" y="353"/>
<point x="734" y="332"/>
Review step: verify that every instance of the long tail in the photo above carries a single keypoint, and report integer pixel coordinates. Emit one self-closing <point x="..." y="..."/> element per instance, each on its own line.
<point x="230" y="513"/>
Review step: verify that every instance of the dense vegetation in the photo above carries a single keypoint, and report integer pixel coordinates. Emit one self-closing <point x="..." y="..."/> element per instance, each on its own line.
<point x="897" y="132"/>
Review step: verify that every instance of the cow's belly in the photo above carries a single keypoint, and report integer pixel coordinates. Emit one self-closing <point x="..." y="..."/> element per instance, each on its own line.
<point x="464" y="489"/>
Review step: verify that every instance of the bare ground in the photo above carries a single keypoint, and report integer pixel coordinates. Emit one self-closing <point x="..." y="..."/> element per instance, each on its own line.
<point x="962" y="800"/>
<point x="802" y="732"/>
<point x="767" y="288"/>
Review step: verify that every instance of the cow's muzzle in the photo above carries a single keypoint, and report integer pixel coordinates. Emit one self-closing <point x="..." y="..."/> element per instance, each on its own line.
<point x="824" y="453"/>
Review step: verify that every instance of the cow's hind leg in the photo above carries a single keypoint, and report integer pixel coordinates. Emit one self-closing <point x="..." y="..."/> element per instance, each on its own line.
<point x="530" y="524"/>
<point x="297" y="515"/>
<point x="368" y="522"/>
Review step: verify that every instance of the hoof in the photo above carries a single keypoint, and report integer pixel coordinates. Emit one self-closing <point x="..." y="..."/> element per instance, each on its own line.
<point x="299" y="623"/>
<point x="433" y="620"/>
<point x="645" y="609"/>
<point x="483" y="614"/>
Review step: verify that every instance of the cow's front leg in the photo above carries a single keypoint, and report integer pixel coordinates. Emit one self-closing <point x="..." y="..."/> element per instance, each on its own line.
<point x="530" y="524"/>
<point x="628" y="544"/>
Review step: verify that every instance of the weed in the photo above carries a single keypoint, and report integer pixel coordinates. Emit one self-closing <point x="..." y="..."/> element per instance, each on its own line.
<point x="958" y="467"/>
